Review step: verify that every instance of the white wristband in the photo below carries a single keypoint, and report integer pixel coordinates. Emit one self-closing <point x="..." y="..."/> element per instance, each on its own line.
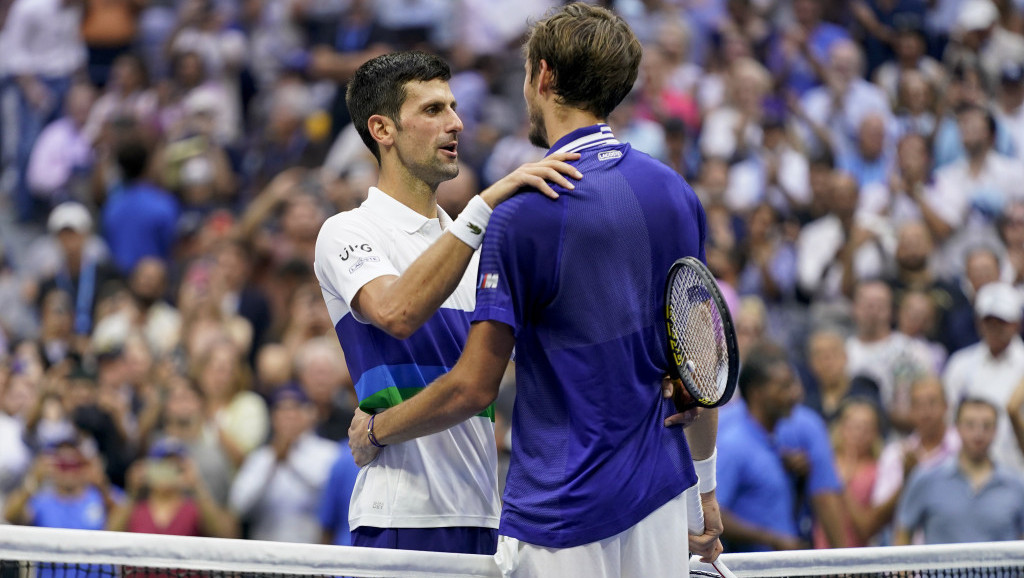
<point x="472" y="222"/>
<point x="706" y="480"/>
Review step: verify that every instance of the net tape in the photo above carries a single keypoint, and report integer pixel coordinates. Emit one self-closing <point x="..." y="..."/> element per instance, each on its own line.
<point x="69" y="554"/>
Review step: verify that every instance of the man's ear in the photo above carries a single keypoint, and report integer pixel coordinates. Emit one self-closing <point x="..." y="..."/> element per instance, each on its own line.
<point x="545" y="77"/>
<point x="382" y="129"/>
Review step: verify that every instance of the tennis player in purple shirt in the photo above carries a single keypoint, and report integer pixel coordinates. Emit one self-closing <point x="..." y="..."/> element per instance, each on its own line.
<point x="597" y="483"/>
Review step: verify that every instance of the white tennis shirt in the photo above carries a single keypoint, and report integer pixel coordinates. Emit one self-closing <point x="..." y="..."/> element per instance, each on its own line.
<point x="446" y="479"/>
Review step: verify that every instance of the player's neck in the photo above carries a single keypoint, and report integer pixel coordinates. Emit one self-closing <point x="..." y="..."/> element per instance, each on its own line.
<point x="410" y="191"/>
<point x="562" y="120"/>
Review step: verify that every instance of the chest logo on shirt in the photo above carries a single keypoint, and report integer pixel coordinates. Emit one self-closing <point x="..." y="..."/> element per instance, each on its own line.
<point x="608" y="155"/>
<point x="362" y="261"/>
<point x="351" y="249"/>
<point x="489" y="281"/>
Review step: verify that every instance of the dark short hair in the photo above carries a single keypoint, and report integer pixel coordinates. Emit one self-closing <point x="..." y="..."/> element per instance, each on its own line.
<point x="133" y="158"/>
<point x="593" y="55"/>
<point x="378" y="87"/>
<point x="971" y="400"/>
<point x="757" y="366"/>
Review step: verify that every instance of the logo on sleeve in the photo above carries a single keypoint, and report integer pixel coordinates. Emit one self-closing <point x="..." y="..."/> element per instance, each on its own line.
<point x="351" y="249"/>
<point x="362" y="261"/>
<point x="489" y="281"/>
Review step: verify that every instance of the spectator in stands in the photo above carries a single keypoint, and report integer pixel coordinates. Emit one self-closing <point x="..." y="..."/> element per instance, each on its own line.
<point x="803" y="445"/>
<point x="917" y="319"/>
<point x="981" y="37"/>
<point x="870" y="159"/>
<point x="158" y="320"/>
<point x="140" y="220"/>
<point x="128" y="93"/>
<point x="910" y="45"/>
<point x="931" y="442"/>
<point x="323" y="376"/>
<point x="960" y="328"/>
<point x="991" y="370"/>
<point x="108" y="29"/>
<point x="800" y="52"/>
<point x="972" y="497"/>
<point x="81" y="273"/>
<point x="335" y="500"/>
<point x="845" y="99"/>
<point x="980" y="185"/>
<point x="857" y="438"/>
<point x="43" y="49"/>
<point x="915" y="268"/>
<point x="62" y="156"/>
<point x="891" y="359"/>
<point x="182" y="419"/>
<point x="831" y="382"/>
<point x="166" y="495"/>
<point x="65" y="488"/>
<point x="16" y="457"/>
<point x="837" y="250"/>
<point x="754" y="491"/>
<point x="236" y="414"/>
<point x="278" y="487"/>
<point x="915" y="106"/>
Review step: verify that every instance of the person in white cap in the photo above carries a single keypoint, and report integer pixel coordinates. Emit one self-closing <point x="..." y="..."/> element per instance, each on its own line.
<point x="81" y="274"/>
<point x="979" y="35"/>
<point x="992" y="369"/>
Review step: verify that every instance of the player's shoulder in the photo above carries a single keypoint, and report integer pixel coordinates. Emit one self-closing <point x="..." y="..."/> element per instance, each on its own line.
<point x="357" y="221"/>
<point x="528" y="208"/>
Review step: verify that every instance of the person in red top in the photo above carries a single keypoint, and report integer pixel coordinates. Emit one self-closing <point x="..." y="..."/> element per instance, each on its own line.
<point x="166" y="495"/>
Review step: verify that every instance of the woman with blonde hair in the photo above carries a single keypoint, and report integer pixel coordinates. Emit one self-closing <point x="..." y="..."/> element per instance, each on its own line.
<point x="239" y="415"/>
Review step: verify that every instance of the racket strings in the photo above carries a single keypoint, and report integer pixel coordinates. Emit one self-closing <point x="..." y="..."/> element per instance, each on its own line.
<point x="698" y="330"/>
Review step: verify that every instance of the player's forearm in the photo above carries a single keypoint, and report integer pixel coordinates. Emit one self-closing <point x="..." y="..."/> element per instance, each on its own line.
<point x="702" y="434"/>
<point x="458" y="395"/>
<point x="446" y="402"/>
<point x="413" y="297"/>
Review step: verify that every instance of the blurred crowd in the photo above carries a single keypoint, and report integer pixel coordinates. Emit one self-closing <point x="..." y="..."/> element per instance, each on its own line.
<point x="167" y="363"/>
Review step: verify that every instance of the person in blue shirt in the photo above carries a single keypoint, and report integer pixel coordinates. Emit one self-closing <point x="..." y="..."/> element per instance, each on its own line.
<point x="597" y="484"/>
<point x="335" y="498"/>
<point x="756" y="494"/>
<point x="139" y="220"/>
<point x="66" y="488"/>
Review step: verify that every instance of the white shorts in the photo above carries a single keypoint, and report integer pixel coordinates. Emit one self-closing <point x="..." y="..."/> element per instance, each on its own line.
<point x="654" y="546"/>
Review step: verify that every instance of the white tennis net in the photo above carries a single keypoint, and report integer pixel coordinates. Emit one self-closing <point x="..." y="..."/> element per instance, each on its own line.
<point x="48" y="553"/>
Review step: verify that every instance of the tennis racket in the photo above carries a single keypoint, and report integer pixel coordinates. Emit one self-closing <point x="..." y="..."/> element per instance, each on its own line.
<point x="703" y="356"/>
<point x="702" y="350"/>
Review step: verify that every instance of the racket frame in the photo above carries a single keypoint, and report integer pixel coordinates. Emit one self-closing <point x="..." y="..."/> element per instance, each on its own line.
<point x="676" y="359"/>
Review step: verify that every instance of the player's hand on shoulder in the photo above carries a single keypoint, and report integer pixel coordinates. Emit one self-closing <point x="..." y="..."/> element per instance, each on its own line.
<point x="363" y="452"/>
<point x="551" y="169"/>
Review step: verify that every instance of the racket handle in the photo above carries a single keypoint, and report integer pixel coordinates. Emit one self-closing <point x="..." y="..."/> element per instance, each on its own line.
<point x="694" y="513"/>
<point x="695" y="525"/>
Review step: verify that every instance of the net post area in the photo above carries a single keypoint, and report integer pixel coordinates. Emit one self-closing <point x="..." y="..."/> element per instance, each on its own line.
<point x="53" y="553"/>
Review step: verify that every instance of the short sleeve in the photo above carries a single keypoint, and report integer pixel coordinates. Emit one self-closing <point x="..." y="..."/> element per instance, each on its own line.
<point x="517" y="260"/>
<point x="350" y="254"/>
<point x="823" y="477"/>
